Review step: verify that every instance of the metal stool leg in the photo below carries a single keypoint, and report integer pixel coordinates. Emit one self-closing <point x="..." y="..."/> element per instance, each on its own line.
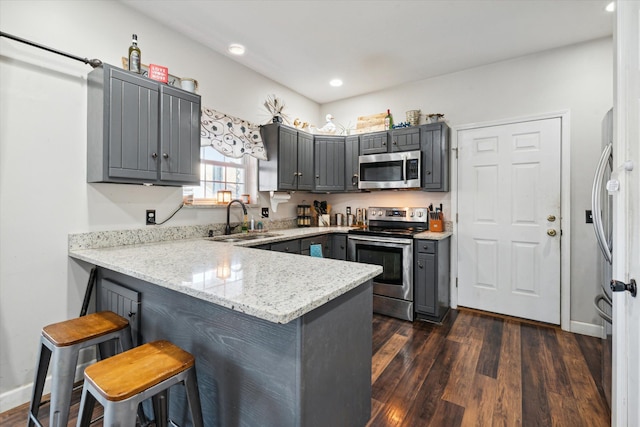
<point x="193" y="398"/>
<point x="87" y="403"/>
<point x="44" y="356"/>
<point x="161" y="408"/>
<point x="63" y="369"/>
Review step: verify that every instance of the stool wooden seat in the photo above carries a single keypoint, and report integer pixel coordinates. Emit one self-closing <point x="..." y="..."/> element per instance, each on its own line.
<point x="121" y="382"/>
<point x="63" y="341"/>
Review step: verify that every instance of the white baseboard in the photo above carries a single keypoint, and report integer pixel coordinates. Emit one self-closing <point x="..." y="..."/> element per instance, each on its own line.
<point x="587" y="329"/>
<point x="22" y="395"/>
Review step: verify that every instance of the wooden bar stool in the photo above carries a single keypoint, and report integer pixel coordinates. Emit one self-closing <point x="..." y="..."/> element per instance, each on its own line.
<point x="63" y="341"/>
<point x="120" y="383"/>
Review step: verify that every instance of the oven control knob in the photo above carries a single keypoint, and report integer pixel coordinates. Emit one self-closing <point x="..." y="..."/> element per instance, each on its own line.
<point x="419" y="214"/>
<point x="379" y="213"/>
<point x="411" y="214"/>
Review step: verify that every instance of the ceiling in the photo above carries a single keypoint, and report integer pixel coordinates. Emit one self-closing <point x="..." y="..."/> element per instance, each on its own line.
<point x="373" y="45"/>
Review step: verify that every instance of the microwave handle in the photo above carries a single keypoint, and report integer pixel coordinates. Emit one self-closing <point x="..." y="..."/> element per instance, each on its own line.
<point x="404" y="168"/>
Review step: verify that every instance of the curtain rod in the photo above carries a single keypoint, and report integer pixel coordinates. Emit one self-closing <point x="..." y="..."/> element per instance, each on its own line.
<point x="93" y="62"/>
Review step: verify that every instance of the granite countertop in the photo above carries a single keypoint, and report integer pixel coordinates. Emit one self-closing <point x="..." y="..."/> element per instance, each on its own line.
<point x="274" y="286"/>
<point x="433" y="235"/>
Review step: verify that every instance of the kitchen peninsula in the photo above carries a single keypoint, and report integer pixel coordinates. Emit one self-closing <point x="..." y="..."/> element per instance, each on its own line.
<point x="279" y="339"/>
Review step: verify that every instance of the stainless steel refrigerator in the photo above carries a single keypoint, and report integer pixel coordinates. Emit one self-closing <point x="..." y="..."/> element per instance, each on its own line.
<point x="601" y="208"/>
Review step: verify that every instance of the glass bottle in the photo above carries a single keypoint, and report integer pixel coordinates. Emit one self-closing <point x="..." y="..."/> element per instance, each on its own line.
<point x="135" y="56"/>
<point x="388" y="120"/>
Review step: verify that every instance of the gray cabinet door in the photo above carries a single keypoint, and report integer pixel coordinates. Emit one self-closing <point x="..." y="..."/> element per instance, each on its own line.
<point x="407" y="139"/>
<point x="431" y="278"/>
<point x="425" y="279"/>
<point x="132" y="121"/>
<point x="305" y="161"/>
<point x="287" y="158"/>
<point x="435" y="157"/>
<point x="329" y="163"/>
<point x="289" y="246"/>
<point x="179" y="136"/>
<point x="351" y="173"/>
<point x="339" y="246"/>
<point x="373" y="143"/>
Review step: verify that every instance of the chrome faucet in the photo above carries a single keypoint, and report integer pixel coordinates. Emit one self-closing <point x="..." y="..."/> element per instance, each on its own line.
<point x="227" y="228"/>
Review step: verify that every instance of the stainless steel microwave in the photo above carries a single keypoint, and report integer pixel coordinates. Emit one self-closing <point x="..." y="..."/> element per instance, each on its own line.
<point x="390" y="170"/>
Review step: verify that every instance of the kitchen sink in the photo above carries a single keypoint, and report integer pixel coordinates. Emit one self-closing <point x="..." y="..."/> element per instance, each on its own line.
<point x="242" y="237"/>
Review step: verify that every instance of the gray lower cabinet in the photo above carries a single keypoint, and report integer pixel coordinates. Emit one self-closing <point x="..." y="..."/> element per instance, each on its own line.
<point x="351" y="163"/>
<point x="141" y="131"/>
<point x="334" y="246"/>
<point x="323" y="240"/>
<point x="431" y="279"/>
<point x="289" y="246"/>
<point x="339" y="246"/>
<point x="290" y="164"/>
<point x="329" y="161"/>
<point x="435" y="157"/>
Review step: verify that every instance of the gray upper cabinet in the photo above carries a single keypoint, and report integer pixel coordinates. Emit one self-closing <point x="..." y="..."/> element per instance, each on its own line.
<point x="374" y="143"/>
<point x="179" y="136"/>
<point x="140" y="131"/>
<point x="329" y="163"/>
<point x="290" y="164"/>
<point x="351" y="173"/>
<point x="435" y="157"/>
<point x="405" y="139"/>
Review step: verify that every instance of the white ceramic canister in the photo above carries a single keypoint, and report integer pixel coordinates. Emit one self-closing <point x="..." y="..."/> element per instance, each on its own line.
<point x="189" y="84"/>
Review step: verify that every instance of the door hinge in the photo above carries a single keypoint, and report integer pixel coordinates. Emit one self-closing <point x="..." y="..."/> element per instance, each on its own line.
<point x="456" y="282"/>
<point x="456" y="217"/>
<point x="455" y="150"/>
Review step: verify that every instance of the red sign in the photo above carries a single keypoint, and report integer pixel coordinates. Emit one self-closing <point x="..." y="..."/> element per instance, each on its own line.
<point x="159" y="73"/>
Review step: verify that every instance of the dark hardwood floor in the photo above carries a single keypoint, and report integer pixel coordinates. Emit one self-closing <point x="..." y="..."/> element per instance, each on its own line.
<point x="475" y="369"/>
<point x="482" y="370"/>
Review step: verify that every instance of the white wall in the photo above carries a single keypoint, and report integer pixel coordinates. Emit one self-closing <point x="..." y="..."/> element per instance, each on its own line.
<point x="43" y="191"/>
<point x="577" y="78"/>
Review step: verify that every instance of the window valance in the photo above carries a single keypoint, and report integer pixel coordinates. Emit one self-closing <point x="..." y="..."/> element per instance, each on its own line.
<point x="230" y="135"/>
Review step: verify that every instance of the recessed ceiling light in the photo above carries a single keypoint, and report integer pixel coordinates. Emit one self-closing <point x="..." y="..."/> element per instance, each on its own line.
<point x="336" y="82"/>
<point x="611" y="7"/>
<point x="236" y="49"/>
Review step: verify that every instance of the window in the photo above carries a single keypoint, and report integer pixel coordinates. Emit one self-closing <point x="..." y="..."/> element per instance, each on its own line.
<point x="219" y="172"/>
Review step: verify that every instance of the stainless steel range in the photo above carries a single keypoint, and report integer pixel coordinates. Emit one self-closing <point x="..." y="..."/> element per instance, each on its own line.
<point x="388" y="242"/>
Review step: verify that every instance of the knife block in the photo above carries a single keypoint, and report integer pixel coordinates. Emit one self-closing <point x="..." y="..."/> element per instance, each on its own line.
<point x="436" y="225"/>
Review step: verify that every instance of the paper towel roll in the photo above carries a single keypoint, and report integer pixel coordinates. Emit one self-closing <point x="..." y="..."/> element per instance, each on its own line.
<point x="277" y="198"/>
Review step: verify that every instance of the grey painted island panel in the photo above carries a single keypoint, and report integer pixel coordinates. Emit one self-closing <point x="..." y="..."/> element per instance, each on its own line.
<point x="312" y="371"/>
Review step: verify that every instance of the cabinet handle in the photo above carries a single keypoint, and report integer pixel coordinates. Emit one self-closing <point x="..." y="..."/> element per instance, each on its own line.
<point x="154" y="155"/>
<point x="395" y="142"/>
<point x="420" y="265"/>
<point x="165" y="155"/>
<point x="428" y="172"/>
<point x="317" y="176"/>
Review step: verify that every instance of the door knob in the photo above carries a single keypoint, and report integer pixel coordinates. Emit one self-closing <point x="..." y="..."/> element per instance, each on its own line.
<point x="551" y="232"/>
<point x="618" y="286"/>
<point x="551" y="218"/>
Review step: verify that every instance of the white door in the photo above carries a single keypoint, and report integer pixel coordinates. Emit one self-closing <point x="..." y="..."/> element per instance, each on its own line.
<point x="509" y="219"/>
<point x="626" y="216"/>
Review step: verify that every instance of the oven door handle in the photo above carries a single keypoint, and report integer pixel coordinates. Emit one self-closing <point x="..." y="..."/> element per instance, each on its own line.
<point x="381" y="240"/>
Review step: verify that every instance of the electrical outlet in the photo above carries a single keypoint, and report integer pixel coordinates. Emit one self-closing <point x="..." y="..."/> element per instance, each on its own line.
<point x="265" y="212"/>
<point x="151" y="216"/>
<point x="589" y="217"/>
